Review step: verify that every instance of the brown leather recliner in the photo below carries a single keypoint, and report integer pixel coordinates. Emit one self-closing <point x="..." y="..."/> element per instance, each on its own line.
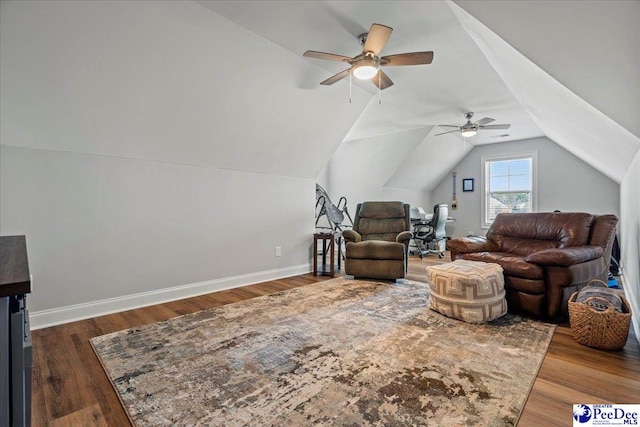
<point x="378" y="244"/>
<point x="545" y="256"/>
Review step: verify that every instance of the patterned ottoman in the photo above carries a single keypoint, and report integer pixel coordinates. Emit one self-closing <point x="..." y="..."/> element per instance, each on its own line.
<point x="467" y="290"/>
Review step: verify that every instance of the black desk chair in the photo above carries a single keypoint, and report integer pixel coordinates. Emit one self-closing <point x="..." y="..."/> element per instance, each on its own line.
<point x="430" y="236"/>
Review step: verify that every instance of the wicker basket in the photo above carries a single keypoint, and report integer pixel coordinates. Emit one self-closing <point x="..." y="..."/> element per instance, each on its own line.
<point x="605" y="330"/>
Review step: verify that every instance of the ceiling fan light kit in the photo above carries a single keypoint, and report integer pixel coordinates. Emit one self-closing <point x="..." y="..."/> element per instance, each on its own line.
<point x="365" y="68"/>
<point x="468" y="133"/>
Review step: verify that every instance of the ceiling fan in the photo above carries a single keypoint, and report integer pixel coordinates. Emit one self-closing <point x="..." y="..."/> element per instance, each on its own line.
<point x="366" y="65"/>
<point x="470" y="129"/>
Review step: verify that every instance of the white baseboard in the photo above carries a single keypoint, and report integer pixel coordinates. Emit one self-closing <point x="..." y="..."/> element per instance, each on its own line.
<point x="635" y="308"/>
<point x="56" y="316"/>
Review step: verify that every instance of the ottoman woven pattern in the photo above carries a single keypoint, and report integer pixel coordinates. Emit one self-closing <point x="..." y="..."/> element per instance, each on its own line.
<point x="471" y="291"/>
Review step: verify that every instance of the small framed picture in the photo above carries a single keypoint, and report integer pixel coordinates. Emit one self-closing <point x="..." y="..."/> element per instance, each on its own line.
<point x="467" y="184"/>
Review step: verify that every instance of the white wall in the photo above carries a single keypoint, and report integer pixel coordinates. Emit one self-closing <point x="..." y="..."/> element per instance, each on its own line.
<point x="630" y="238"/>
<point x="565" y="183"/>
<point x="101" y="227"/>
<point x="143" y="150"/>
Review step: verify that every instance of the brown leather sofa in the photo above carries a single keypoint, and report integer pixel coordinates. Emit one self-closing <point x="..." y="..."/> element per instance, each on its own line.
<point x="378" y="244"/>
<point x="545" y="256"/>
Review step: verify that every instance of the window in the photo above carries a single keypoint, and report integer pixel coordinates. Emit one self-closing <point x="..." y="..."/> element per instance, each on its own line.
<point x="508" y="185"/>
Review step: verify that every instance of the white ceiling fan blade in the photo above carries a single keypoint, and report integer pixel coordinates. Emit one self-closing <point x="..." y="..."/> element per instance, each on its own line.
<point x="495" y="127"/>
<point x="329" y="56"/>
<point x="449" y="126"/>
<point x="484" y="121"/>
<point x="451" y="131"/>
<point x="383" y="82"/>
<point x="412" y="58"/>
<point x="376" y="38"/>
<point x="336" y="78"/>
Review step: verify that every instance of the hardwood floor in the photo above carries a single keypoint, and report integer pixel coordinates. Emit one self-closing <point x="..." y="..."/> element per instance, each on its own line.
<point x="71" y="389"/>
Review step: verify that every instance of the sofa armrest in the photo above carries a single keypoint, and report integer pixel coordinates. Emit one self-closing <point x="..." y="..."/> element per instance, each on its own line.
<point x="404" y="237"/>
<point x="464" y="245"/>
<point x="564" y="257"/>
<point x="351" y="236"/>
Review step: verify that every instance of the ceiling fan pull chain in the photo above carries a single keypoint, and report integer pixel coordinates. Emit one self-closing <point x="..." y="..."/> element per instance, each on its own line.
<point x="379" y="97"/>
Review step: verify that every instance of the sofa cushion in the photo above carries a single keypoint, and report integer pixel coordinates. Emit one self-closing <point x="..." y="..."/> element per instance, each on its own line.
<point x="524" y="234"/>
<point x="375" y="249"/>
<point x="512" y="264"/>
<point x="524" y="247"/>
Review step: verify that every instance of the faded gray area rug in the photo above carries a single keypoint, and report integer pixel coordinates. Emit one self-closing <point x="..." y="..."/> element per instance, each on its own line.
<point x="341" y="352"/>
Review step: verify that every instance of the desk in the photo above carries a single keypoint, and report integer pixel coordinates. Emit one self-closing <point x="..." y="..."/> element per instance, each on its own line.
<point x="328" y="239"/>
<point x="15" y="336"/>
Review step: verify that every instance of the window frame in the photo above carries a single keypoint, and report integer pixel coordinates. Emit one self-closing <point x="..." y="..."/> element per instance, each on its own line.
<point x="485" y="160"/>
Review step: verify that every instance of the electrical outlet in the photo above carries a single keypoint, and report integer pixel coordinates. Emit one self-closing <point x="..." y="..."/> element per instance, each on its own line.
<point x="278" y="250"/>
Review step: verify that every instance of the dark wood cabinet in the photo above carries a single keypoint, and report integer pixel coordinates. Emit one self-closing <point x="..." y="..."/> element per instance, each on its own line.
<point x="15" y="336"/>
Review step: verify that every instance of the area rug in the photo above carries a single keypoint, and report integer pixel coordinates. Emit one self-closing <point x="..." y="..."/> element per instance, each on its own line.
<point x="341" y="352"/>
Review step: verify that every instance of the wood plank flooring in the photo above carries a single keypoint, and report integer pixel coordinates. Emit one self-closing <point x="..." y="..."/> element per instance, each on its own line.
<point x="71" y="389"/>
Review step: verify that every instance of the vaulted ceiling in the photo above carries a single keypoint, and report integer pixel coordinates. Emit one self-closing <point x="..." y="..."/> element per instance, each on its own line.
<point x="223" y="84"/>
<point x="474" y="69"/>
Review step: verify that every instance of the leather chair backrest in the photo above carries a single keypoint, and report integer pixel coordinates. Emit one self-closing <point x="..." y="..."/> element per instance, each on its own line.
<point x="525" y="233"/>
<point x="381" y="220"/>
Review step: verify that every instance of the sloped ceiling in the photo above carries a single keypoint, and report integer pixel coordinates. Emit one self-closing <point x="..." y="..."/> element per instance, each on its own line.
<point x="473" y="70"/>
<point x="590" y="47"/>
<point x="565" y="118"/>
<point x="84" y="76"/>
<point x="361" y="168"/>
<point x="239" y="95"/>
<point x="459" y="80"/>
